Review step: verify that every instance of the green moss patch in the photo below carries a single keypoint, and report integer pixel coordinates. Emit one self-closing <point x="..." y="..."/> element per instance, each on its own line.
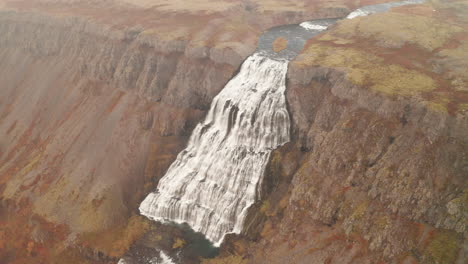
<point x="365" y="69"/>
<point x="395" y="29"/>
<point x="444" y="247"/>
<point x="414" y="51"/>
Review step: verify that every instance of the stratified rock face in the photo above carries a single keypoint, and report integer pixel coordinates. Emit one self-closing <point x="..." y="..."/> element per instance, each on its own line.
<point x="84" y="88"/>
<point x="62" y="94"/>
<point x="376" y="172"/>
<point x="216" y="178"/>
<point x="96" y="100"/>
<point x="88" y="116"/>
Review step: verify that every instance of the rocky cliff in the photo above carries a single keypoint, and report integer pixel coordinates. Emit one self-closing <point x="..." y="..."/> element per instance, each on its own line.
<point x="377" y="169"/>
<point x="98" y="98"/>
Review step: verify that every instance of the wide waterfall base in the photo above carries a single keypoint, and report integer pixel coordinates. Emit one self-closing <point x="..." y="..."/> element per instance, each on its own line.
<point x="157" y="246"/>
<point x="212" y="208"/>
<point x="216" y="179"/>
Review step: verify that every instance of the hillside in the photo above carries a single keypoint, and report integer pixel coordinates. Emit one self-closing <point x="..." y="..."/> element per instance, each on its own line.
<point x="98" y="97"/>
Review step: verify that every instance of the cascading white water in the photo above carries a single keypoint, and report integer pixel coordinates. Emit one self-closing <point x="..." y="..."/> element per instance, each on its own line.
<point x="214" y="181"/>
<point x="313" y="26"/>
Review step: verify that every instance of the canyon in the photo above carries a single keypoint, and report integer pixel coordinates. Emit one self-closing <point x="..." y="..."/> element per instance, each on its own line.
<point x="98" y="98"/>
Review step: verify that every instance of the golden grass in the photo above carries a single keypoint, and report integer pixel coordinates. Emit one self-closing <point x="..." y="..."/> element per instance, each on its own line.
<point x="439" y="103"/>
<point x="178" y="243"/>
<point x="410" y="51"/>
<point x="280" y="44"/>
<point x="444" y="247"/>
<point x="31" y="165"/>
<point x="463" y="107"/>
<point x="394" y="30"/>
<point x="115" y="242"/>
<point x="360" y="210"/>
<point x="459" y="52"/>
<point x="382" y="222"/>
<point x="18" y="179"/>
<point x="368" y="70"/>
<point x="265" y="207"/>
<point x="455" y="62"/>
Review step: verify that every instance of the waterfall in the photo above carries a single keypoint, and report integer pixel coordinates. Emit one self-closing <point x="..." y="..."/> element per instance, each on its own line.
<point x="215" y="180"/>
<point x="217" y="177"/>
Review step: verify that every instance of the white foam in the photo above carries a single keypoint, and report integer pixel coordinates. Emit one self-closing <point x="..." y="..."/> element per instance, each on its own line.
<point x="165" y="259"/>
<point x="214" y="181"/>
<point x="358" y="13"/>
<point x="311" y="26"/>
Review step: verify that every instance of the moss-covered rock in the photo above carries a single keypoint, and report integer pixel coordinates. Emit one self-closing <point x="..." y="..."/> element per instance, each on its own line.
<point x="444" y="247"/>
<point x="280" y="44"/>
<point x="393" y="30"/>
<point x="366" y="69"/>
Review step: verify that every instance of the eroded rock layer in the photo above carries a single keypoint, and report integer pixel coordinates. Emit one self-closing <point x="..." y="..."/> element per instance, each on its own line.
<point x="83" y="87"/>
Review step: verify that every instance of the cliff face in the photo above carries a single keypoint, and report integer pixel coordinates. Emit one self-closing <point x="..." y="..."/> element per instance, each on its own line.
<point x="77" y="146"/>
<point x="387" y="193"/>
<point x="98" y="99"/>
<point x="377" y="169"/>
<point x="90" y="117"/>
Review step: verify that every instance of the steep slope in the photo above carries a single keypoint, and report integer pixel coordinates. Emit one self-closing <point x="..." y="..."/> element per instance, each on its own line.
<point x="98" y="97"/>
<point x="378" y="166"/>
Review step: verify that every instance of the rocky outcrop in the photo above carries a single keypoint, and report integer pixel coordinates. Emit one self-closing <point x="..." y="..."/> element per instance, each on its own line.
<point x="375" y="173"/>
<point x="92" y="113"/>
<point x="374" y="178"/>
<point x="371" y="177"/>
<point x="157" y="70"/>
<point x="96" y="101"/>
<point x="388" y="162"/>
